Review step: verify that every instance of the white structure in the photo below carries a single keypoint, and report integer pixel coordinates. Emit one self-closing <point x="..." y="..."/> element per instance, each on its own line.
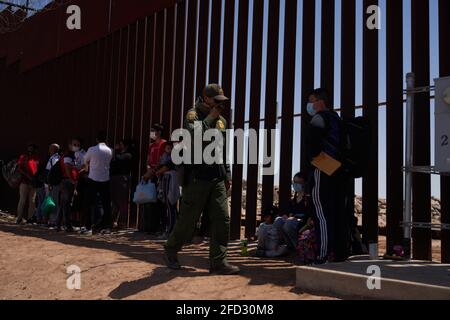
<point x="442" y="116"/>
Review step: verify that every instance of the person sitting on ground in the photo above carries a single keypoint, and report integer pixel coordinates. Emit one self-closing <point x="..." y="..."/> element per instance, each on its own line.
<point x="270" y="239"/>
<point x="298" y="211"/>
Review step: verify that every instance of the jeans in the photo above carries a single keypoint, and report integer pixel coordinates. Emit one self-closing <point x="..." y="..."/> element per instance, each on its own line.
<point x="103" y="189"/>
<point x="54" y="193"/>
<point x="67" y="190"/>
<point x="40" y="197"/>
<point x="120" y="195"/>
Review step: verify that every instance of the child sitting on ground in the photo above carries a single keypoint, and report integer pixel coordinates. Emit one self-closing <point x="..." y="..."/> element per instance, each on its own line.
<point x="270" y="239"/>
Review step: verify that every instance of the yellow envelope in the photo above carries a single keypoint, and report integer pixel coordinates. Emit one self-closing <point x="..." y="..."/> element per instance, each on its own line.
<point x="326" y="164"/>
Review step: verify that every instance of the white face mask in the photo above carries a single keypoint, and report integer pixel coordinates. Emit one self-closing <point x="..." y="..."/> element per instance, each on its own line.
<point x="153" y="135"/>
<point x="310" y="109"/>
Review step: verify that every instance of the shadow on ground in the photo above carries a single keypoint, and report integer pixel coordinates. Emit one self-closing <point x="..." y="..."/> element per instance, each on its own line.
<point x="139" y="246"/>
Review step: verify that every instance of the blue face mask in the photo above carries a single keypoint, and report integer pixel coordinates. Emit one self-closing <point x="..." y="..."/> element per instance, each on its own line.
<point x="310" y="109"/>
<point x="298" y="187"/>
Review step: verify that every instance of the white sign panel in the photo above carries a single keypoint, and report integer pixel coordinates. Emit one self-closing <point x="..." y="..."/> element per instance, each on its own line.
<point x="442" y="115"/>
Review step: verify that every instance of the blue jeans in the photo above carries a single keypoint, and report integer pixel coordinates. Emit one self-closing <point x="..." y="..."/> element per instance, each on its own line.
<point x="65" y="206"/>
<point x="40" y="197"/>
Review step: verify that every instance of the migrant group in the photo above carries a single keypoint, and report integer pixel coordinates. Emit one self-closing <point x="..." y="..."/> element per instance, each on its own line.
<point x="92" y="189"/>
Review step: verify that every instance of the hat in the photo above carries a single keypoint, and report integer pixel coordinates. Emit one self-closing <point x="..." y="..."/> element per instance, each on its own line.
<point x="216" y="92"/>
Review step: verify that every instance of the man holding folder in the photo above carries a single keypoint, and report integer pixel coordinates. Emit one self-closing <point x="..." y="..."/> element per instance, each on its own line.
<point x="324" y="140"/>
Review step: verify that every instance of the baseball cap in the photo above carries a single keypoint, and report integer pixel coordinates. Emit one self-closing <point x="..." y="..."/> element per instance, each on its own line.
<point x="216" y="92"/>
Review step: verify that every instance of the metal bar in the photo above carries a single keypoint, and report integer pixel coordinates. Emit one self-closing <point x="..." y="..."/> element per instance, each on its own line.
<point x="131" y="95"/>
<point x="271" y="95"/>
<point x="141" y="64"/>
<point x="255" y="109"/>
<point x="421" y="119"/>
<point x="168" y="71"/>
<point x="394" y="123"/>
<point x="287" y="123"/>
<point x="228" y="48"/>
<point x="444" y="66"/>
<point x="348" y="81"/>
<point x="309" y="20"/>
<point x="158" y="83"/>
<point x="202" y="46"/>
<point x="370" y="100"/>
<point x="178" y="88"/>
<point x="327" y="54"/>
<point x="189" y="96"/>
<point x="236" y="192"/>
<point x="426" y="225"/>
<point x="123" y="84"/>
<point x="410" y="81"/>
<point x="425" y="169"/>
<point x="214" y="55"/>
<point x="132" y="111"/>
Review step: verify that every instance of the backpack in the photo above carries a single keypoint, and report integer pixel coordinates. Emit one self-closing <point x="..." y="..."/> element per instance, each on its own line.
<point x="55" y="175"/>
<point x="11" y="174"/>
<point x="356" y="142"/>
<point x="353" y="149"/>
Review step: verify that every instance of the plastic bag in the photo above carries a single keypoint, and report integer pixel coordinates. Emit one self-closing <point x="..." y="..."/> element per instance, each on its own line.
<point x="48" y="206"/>
<point x="145" y="193"/>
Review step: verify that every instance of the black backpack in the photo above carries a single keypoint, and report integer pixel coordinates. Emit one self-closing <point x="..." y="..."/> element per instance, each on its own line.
<point x="55" y="175"/>
<point x="355" y="146"/>
<point x="11" y="174"/>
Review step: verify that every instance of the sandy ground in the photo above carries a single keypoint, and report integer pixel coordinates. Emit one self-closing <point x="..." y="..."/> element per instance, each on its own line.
<point x="33" y="264"/>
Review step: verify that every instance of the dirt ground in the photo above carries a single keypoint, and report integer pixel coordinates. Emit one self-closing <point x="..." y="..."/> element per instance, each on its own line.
<point x="34" y="260"/>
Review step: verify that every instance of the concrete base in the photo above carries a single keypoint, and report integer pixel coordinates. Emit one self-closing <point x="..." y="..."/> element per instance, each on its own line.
<point x="398" y="280"/>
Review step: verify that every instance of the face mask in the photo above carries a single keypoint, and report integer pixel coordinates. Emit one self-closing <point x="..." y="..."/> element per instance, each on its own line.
<point x="153" y="135"/>
<point x="310" y="109"/>
<point x="298" y="187"/>
<point x="75" y="149"/>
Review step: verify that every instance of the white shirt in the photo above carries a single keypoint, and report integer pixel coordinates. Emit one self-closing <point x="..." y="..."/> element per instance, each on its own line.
<point x="98" y="158"/>
<point x="51" y="162"/>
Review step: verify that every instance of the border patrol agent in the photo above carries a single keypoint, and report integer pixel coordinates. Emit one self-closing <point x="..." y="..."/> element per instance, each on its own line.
<point x="205" y="189"/>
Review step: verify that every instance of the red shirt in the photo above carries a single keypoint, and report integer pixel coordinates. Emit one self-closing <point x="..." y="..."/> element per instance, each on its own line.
<point x="29" y="164"/>
<point x="69" y="160"/>
<point x="155" y="151"/>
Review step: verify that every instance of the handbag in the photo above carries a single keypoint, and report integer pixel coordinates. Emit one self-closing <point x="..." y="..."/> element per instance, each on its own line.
<point x="145" y="193"/>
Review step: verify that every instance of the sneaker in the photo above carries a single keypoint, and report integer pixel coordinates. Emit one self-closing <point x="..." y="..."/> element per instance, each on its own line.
<point x="70" y="230"/>
<point x="105" y="231"/>
<point x="19" y="221"/>
<point x="224" y="270"/>
<point x="172" y="261"/>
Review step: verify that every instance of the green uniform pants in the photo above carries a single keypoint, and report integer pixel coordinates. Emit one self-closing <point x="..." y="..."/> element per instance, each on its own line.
<point x="209" y="198"/>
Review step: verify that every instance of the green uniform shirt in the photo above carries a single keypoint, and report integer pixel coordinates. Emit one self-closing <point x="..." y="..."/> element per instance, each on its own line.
<point x="205" y="171"/>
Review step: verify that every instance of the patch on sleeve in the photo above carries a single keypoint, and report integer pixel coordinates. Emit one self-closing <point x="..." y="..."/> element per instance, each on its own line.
<point x="220" y="125"/>
<point x="191" y="116"/>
